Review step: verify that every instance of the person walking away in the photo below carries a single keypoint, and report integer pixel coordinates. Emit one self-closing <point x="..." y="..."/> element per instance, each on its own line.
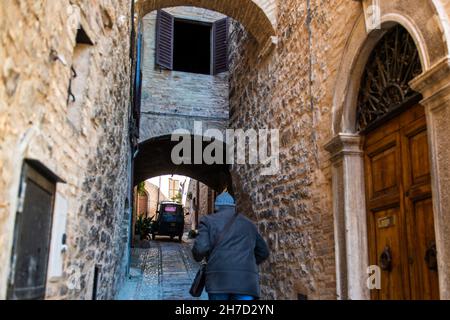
<point x="232" y="266"/>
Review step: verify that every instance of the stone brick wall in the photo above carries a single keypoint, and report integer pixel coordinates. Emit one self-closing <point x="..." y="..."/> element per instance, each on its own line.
<point x="89" y="151"/>
<point x="291" y="90"/>
<point x="173" y="100"/>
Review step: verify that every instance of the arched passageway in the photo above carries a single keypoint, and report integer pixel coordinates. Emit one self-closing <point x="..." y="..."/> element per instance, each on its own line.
<point x="154" y="159"/>
<point x="257" y="16"/>
<point x="161" y="255"/>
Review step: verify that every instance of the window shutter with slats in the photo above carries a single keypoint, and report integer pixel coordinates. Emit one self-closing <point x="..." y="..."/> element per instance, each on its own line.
<point x="220" y="46"/>
<point x="164" y="39"/>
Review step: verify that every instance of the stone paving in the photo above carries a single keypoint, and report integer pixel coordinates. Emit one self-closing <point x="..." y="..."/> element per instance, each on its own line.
<point x="164" y="271"/>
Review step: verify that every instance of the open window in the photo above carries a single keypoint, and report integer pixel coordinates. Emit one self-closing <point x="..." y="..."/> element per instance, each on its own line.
<point x="191" y="46"/>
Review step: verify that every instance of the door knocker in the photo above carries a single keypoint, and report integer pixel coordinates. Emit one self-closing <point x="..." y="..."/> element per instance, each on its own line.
<point x="386" y="259"/>
<point x="431" y="257"/>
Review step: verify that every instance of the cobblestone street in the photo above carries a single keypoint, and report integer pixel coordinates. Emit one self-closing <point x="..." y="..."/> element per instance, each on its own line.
<point x="165" y="271"/>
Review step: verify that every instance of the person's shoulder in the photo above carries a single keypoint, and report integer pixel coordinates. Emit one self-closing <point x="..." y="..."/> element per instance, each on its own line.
<point x="247" y="220"/>
<point x="244" y="217"/>
<point x="215" y="217"/>
<point x="205" y="219"/>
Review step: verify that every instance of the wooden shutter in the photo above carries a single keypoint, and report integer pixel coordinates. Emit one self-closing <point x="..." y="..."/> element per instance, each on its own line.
<point x="220" y="46"/>
<point x="164" y="39"/>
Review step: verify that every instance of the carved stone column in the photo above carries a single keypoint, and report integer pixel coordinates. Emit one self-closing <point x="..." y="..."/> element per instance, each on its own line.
<point x="349" y="216"/>
<point x="434" y="85"/>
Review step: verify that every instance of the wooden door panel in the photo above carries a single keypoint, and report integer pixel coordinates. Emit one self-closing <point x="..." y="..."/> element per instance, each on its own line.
<point x="382" y="160"/>
<point x="387" y="237"/>
<point x="412" y="114"/>
<point x="420" y="163"/>
<point x="425" y="283"/>
<point x="419" y="209"/>
<point x="415" y="154"/>
<point x="386" y="130"/>
<point x="383" y="183"/>
<point x="399" y="206"/>
<point x="384" y="172"/>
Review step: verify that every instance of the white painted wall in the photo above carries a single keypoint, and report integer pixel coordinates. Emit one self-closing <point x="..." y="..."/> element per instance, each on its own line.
<point x="57" y="249"/>
<point x="163" y="183"/>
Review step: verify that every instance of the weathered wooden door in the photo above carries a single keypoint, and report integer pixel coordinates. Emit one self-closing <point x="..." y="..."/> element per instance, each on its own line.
<point x="32" y="238"/>
<point x="399" y="208"/>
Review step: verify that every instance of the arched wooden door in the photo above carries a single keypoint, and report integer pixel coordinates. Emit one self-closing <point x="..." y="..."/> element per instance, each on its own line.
<point x="397" y="172"/>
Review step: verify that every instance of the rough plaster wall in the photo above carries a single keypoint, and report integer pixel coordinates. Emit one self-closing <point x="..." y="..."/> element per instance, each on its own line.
<point x="291" y="90"/>
<point x="91" y="158"/>
<point x="203" y="203"/>
<point x="204" y="208"/>
<point x="153" y="198"/>
<point x="173" y="100"/>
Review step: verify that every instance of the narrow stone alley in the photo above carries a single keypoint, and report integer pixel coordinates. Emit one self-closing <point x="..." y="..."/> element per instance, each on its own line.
<point x="327" y="122"/>
<point x="162" y="272"/>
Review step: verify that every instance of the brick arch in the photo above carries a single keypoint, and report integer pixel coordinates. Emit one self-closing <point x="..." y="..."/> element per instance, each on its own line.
<point x="257" y="16"/>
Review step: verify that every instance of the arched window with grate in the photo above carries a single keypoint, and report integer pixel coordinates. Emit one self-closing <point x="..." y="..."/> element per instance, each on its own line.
<point x="385" y="90"/>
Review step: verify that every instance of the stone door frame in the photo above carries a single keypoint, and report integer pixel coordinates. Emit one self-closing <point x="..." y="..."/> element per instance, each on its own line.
<point x="345" y="147"/>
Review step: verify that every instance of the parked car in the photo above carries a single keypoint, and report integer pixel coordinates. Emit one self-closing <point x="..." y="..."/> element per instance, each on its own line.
<point x="169" y="221"/>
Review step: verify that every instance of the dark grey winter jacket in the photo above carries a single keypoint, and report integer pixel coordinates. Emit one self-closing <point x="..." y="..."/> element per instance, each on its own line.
<point x="233" y="266"/>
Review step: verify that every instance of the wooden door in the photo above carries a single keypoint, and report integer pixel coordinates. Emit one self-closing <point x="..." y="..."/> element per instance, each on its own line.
<point x="32" y="238"/>
<point x="399" y="205"/>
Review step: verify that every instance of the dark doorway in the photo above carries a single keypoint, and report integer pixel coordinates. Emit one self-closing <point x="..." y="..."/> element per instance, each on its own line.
<point x="32" y="237"/>
<point x="192" y="47"/>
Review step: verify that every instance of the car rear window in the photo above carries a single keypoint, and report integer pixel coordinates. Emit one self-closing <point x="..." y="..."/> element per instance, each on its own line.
<point x="170" y="209"/>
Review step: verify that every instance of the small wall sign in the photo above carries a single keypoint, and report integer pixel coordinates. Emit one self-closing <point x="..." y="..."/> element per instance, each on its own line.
<point x="386" y="222"/>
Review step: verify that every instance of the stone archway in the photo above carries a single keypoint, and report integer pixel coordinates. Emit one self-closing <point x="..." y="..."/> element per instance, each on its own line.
<point x="154" y="159"/>
<point x="257" y="16"/>
<point x="429" y="29"/>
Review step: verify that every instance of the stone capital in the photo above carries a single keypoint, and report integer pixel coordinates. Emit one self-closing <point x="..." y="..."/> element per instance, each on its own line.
<point x="434" y="84"/>
<point x="344" y="144"/>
